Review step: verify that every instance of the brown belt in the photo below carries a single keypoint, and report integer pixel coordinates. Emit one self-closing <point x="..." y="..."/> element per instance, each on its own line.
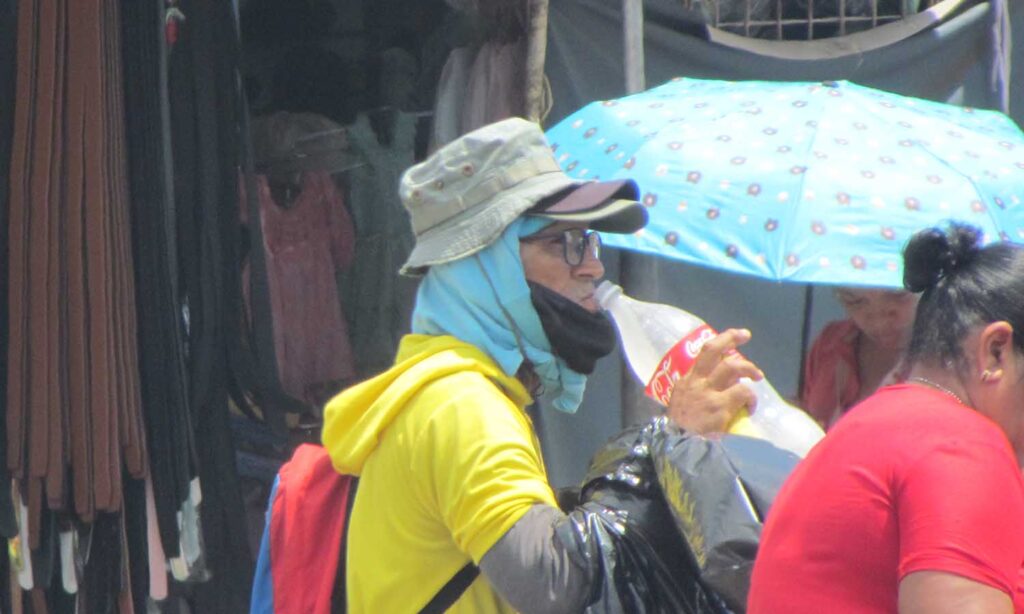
<point x="73" y="392"/>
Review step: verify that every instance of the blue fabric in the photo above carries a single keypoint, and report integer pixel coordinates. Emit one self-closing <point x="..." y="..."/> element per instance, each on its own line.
<point x="461" y="299"/>
<point x="263" y="581"/>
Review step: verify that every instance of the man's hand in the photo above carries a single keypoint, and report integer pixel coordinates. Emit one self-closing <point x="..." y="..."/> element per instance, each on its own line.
<point x="706" y="399"/>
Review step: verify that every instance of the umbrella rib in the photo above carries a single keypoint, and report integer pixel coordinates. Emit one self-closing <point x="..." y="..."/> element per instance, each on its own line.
<point x="793" y="212"/>
<point x="977" y="188"/>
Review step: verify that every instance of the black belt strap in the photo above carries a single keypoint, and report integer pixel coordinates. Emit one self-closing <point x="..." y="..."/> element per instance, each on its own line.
<point x="444" y="599"/>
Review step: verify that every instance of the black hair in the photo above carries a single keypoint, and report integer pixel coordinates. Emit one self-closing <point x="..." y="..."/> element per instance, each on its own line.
<point x="963" y="285"/>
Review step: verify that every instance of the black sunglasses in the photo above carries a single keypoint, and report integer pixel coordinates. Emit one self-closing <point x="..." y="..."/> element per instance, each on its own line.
<point x="575" y="243"/>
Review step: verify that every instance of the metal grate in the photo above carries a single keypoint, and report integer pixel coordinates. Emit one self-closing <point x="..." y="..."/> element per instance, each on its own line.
<point x="804" y="19"/>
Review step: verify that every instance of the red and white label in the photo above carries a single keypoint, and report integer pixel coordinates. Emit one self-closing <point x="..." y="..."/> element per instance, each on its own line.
<point x="676" y="362"/>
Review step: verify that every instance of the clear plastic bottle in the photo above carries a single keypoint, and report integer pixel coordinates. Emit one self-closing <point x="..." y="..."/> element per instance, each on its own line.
<point x="661" y="343"/>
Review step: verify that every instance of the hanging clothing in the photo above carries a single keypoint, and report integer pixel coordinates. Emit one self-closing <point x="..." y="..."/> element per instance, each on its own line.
<point x="494" y="90"/>
<point x="307" y="241"/>
<point x="451" y="97"/>
<point x="73" y="416"/>
<point x="162" y="327"/>
<point x="478" y="86"/>
<point x="377" y="301"/>
<point x="8" y="38"/>
<point x="205" y="126"/>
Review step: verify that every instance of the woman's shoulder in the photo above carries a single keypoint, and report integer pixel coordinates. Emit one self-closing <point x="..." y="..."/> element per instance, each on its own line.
<point x="919" y="413"/>
<point x="837" y="332"/>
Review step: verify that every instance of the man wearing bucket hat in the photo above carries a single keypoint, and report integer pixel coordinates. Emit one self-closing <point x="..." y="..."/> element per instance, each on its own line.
<point x="450" y="467"/>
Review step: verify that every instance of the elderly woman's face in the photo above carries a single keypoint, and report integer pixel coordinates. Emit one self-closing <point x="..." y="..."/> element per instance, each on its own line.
<point x="547" y="256"/>
<point x="885" y="316"/>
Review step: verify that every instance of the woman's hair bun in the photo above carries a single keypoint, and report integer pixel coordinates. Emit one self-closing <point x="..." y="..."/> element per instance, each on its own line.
<point x="933" y="254"/>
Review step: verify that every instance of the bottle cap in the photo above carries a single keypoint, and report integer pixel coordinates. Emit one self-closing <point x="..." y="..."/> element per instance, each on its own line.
<point x="605" y="292"/>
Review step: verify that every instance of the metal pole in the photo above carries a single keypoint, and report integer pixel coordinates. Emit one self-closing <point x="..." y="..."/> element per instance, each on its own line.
<point x="633" y="37"/>
<point x="805" y="336"/>
<point x="638" y="273"/>
<point x="536" y="51"/>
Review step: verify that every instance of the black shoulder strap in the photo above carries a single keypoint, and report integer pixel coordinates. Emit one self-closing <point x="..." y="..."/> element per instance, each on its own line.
<point x="444" y="599"/>
<point x="450" y="592"/>
<point x="339" y="598"/>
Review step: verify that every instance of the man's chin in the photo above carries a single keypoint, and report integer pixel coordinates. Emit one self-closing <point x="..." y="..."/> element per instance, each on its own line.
<point x="590" y="304"/>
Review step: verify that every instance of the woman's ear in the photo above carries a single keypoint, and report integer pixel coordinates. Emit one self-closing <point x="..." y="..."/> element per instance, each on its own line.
<point x="995" y="352"/>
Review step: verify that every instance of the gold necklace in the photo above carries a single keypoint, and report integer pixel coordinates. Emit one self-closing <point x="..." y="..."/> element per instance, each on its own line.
<point x="937" y="386"/>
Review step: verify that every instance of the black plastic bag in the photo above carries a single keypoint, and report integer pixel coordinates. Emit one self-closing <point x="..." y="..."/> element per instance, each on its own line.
<point x="719" y="490"/>
<point x="673" y="520"/>
<point x="624" y="528"/>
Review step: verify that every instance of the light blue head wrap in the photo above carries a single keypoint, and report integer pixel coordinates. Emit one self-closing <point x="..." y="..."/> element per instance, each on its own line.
<point x="461" y="299"/>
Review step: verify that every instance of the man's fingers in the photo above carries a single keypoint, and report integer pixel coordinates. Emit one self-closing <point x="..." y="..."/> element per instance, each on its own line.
<point x="729" y="371"/>
<point x="739" y="396"/>
<point x="718" y="348"/>
<point x="709" y="396"/>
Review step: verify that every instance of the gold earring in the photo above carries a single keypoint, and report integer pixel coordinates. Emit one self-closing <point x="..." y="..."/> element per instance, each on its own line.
<point x="986" y="375"/>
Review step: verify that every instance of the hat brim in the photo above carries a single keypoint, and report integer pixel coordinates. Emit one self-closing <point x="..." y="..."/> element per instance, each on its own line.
<point x="606" y="206"/>
<point x="477" y="228"/>
<point x="619" y="216"/>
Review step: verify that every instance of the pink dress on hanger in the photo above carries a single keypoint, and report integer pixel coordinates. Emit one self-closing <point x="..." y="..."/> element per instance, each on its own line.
<point x="307" y="241"/>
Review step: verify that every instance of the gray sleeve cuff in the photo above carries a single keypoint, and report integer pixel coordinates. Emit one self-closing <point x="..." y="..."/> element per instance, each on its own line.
<point x="531" y="568"/>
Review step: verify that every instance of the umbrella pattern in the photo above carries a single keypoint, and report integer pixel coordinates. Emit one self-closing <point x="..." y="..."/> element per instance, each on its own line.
<point x="806" y="182"/>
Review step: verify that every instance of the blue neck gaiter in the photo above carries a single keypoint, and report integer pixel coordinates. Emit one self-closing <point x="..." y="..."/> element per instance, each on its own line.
<point x="484" y="300"/>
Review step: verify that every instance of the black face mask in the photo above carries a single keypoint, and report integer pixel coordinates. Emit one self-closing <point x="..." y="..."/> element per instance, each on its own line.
<point x="577" y="336"/>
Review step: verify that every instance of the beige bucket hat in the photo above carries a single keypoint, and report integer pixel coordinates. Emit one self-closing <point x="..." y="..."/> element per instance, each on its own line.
<point x="462" y="197"/>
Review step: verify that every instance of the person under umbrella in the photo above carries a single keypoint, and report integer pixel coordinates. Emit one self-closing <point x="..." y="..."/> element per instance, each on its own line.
<point x="912" y="503"/>
<point x="852" y="358"/>
<point x="450" y="466"/>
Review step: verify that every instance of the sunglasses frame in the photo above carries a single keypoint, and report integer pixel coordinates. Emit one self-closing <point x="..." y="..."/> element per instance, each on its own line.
<point x="587" y="240"/>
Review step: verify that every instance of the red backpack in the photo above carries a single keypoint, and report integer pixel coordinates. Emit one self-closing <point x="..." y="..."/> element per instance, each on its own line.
<point x="301" y="565"/>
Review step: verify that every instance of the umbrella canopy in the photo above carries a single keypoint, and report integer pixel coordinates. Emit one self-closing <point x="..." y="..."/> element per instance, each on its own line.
<point x="805" y="182"/>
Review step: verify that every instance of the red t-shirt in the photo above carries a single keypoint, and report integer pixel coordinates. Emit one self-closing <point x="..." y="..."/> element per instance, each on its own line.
<point x="909" y="480"/>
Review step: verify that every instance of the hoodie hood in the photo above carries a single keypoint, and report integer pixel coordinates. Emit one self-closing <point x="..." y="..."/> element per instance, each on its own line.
<point x="355" y="419"/>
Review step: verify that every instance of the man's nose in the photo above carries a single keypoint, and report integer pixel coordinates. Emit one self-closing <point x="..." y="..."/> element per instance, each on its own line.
<point x="590" y="268"/>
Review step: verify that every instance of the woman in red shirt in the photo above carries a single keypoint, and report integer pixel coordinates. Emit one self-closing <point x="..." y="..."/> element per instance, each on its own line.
<point x="913" y="503"/>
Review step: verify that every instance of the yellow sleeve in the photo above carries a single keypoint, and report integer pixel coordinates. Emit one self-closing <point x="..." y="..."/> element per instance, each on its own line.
<point x="483" y="463"/>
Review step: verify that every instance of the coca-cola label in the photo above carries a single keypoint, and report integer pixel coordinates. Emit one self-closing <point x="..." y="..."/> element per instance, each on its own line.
<point x="676" y="362"/>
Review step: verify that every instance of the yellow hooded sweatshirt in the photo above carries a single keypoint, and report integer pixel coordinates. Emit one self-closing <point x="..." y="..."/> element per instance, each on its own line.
<point x="448" y="461"/>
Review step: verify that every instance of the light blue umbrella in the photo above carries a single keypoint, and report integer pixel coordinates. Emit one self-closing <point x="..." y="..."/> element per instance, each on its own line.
<point x="805" y="182"/>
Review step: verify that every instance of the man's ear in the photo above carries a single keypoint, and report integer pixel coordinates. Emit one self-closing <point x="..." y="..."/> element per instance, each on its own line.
<point x="995" y="352"/>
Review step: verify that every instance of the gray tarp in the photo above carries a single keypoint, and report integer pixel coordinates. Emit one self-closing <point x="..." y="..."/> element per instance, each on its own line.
<point x="952" y="61"/>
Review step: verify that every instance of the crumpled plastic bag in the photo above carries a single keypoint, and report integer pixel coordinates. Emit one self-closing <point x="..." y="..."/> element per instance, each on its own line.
<point x="672" y="520"/>
<point x="719" y="490"/>
<point x="624" y="528"/>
